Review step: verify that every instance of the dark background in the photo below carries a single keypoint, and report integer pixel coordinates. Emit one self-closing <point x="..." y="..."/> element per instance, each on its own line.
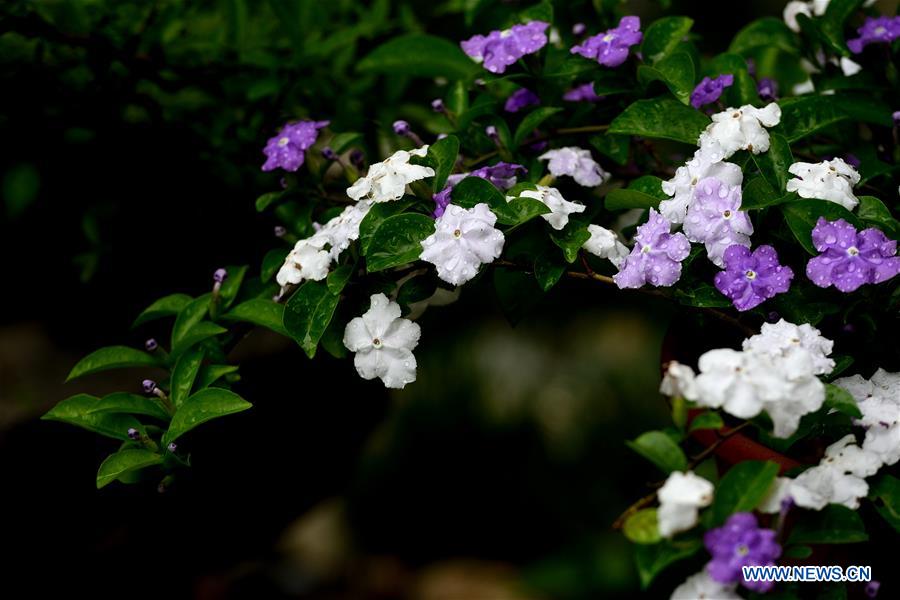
<point x="130" y="138"/>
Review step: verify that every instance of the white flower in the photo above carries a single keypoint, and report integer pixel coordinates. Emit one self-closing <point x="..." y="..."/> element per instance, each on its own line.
<point x="681" y="186"/>
<point x="879" y="401"/>
<point x="777" y="493"/>
<point x="576" y="163"/>
<point x="849" y="67"/>
<point x="388" y="179"/>
<point x="781" y="339"/>
<point x="605" y="244"/>
<point x="463" y="240"/>
<point x="744" y="384"/>
<point x="739" y="129"/>
<point x="679" y="380"/>
<point x="700" y="586"/>
<point x="560" y="208"/>
<point x="383" y="343"/>
<point x="794" y="8"/>
<point x="306" y="261"/>
<point x="837" y="479"/>
<point x="343" y="229"/>
<point x="804" y="87"/>
<point x="831" y="180"/>
<point x="680" y="499"/>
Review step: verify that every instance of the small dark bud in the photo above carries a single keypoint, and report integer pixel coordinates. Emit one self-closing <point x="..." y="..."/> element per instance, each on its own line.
<point x="151" y="345"/>
<point x="328" y="153"/>
<point x="220" y="275"/>
<point x="134" y="434"/>
<point x="149" y="386"/>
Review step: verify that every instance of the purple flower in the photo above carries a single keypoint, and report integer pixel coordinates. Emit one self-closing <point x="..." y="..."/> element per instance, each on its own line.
<point x="740" y="542"/>
<point x="896" y="116"/>
<point x="767" y="89"/>
<point x="286" y="150"/>
<point x="656" y="256"/>
<point x="849" y="259"/>
<point x="714" y="218"/>
<point x="749" y="279"/>
<point x="875" y="29"/>
<point x="520" y="99"/>
<point x="582" y="93"/>
<point x="500" y="49"/>
<point x="852" y="160"/>
<point x="502" y="175"/>
<point x="441" y="200"/>
<point x="710" y="89"/>
<point x="611" y="48"/>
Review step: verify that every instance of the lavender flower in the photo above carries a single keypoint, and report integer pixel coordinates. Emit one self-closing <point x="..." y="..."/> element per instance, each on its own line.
<point x="503" y="175"/>
<point x="710" y="89"/>
<point x="740" y="542"/>
<point x="714" y="218"/>
<point x="849" y="259"/>
<point x="656" y="256"/>
<point x="874" y="30"/>
<point x="749" y="279"/>
<point x="441" y="200"/>
<point x="500" y="49"/>
<point x="611" y="48"/>
<point x="582" y="93"/>
<point x="521" y="98"/>
<point x="287" y="149"/>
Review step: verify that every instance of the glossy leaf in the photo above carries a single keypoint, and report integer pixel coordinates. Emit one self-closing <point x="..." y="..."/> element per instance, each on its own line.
<point x="123" y="462"/>
<point x="653" y="559"/>
<point x="661" y="450"/>
<point x="663" y="35"/>
<point x="133" y="404"/>
<point x="532" y="121"/>
<point x="164" y="307"/>
<point x="885" y="493"/>
<point x="661" y="118"/>
<point x="419" y="55"/>
<point x="77" y="410"/>
<point x="742" y="488"/>
<point x="376" y="216"/>
<point x="442" y="155"/>
<point x="259" y="311"/>
<point x="642" y="527"/>
<point x="112" y="357"/>
<point x="834" y="524"/>
<point x="201" y="407"/>
<point x="307" y="314"/>
<point x="839" y="399"/>
<point x="874" y="213"/>
<point x="676" y="71"/>
<point x="801" y="217"/>
<point x="184" y="374"/>
<point x="398" y="241"/>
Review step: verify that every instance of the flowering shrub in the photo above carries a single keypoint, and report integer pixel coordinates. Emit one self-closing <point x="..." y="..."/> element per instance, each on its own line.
<point x="606" y="150"/>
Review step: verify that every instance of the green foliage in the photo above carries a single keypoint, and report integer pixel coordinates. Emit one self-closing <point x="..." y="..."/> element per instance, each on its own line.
<point x="661" y="118"/>
<point x="307" y="314"/>
<point x="743" y="488"/>
<point x="201" y="407"/>
<point x="113" y="357"/>
<point x="661" y="450"/>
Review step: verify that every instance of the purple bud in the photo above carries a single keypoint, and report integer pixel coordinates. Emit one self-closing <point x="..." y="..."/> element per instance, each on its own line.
<point x="284" y="183"/>
<point x="328" y="153"/>
<point x="849" y="328"/>
<point x="437" y="105"/>
<point x="852" y="160"/>
<point x="150" y="345"/>
<point x="133" y="433"/>
<point x="872" y="588"/>
<point x="149" y="386"/>
<point x="358" y="159"/>
<point x="896" y="117"/>
<point x="491" y="132"/>
<point x="579" y="29"/>
<point x="401" y="127"/>
<point x="280" y="231"/>
<point x="220" y="275"/>
<point x="773" y="317"/>
<point x="172" y="447"/>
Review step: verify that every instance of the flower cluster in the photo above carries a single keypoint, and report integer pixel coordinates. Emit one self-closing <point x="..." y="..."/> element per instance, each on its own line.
<point x="287" y="150"/>
<point x="387" y="180"/>
<point x="611" y="47"/>
<point x="500" y="49"/>
<point x="831" y="180"/>
<point x="776" y="372"/>
<point x="739" y="543"/>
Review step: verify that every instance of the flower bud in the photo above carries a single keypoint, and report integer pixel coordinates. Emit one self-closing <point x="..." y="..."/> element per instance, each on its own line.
<point x="872" y="588"/>
<point x="401" y="127"/>
<point x="134" y="434"/>
<point x="151" y="345"/>
<point x="172" y="447"/>
<point x="149" y="386"/>
<point x="328" y="153"/>
<point x="280" y="231"/>
<point x="579" y="29"/>
<point x="437" y="105"/>
<point x="491" y="132"/>
<point x="358" y="159"/>
<point x="220" y="275"/>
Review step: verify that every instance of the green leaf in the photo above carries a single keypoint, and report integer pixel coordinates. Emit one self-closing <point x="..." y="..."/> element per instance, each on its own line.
<point x="797" y="552"/>
<point x="652" y="559"/>
<point x="189" y="316"/>
<point x="132" y="404"/>
<point x="123" y="462"/>
<point x="398" y="241"/>
<point x="834" y="524"/>
<point x="201" y="407"/>
<point x="338" y="278"/>
<point x="196" y="334"/>
<point x="624" y="199"/>
<point x="548" y="269"/>
<point x="661" y="118"/>
<point x="614" y="147"/>
<point x="571" y="239"/>
<point x="164" y="307"/>
<point x="416" y="289"/>
<point x="841" y="400"/>
<point x="642" y="527"/>
<point x="832" y="22"/>
<point x="76" y="410"/>
<point x="443" y="155"/>
<point x="209" y="374"/>
<point x="532" y="121"/>
<point x="676" y="71"/>
<point x="475" y="190"/>
<point x="538" y="12"/>
<point x="774" y="164"/>
<point x="341" y="142"/>
<point x="112" y="357"/>
<point x="801" y="217"/>
<point x="874" y="212"/>
<point x="768" y="32"/>
<point x="661" y="450"/>
<point x="702" y="295"/>
<point x="517" y="292"/>
<point x="272" y="262"/>
<point x="707" y="420"/>
<point x="760" y="194"/>
<point x="266" y="200"/>
<point x="375" y="217"/>
<point x="229" y="290"/>
<point x="419" y="55"/>
<point x="885" y="493"/>
<point x="521" y="210"/>
<point x="805" y="115"/>
<point x="663" y="36"/>
<point x="742" y="488"/>
<point x="259" y="311"/>
<point x="307" y="314"/>
<point x="184" y="374"/>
